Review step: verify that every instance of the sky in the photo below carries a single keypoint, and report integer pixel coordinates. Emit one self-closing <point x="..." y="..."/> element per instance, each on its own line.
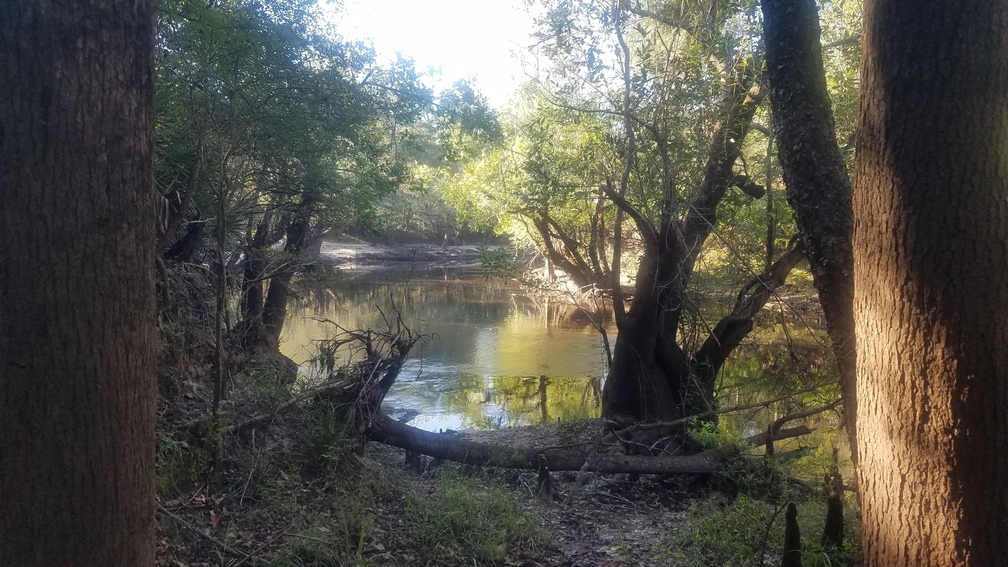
<point x="460" y="38"/>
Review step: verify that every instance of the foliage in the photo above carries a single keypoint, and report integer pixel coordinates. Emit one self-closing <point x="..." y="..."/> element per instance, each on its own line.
<point x="717" y="434"/>
<point x="542" y="180"/>
<point x="333" y="527"/>
<point x="499" y="261"/>
<point x="177" y="465"/>
<point x="327" y="434"/>
<point x="719" y="533"/>
<point x="468" y="521"/>
<point x="738" y="530"/>
<point x="280" y="112"/>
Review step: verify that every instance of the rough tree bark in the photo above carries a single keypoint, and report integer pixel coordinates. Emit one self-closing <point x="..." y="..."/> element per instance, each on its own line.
<point x="931" y="296"/>
<point x="818" y="187"/>
<point x="77" y="238"/>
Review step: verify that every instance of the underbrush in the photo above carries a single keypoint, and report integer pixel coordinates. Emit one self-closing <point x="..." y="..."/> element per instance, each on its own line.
<point x="744" y="526"/>
<point x="747" y="531"/>
<point x="334" y="526"/>
<point x="299" y="495"/>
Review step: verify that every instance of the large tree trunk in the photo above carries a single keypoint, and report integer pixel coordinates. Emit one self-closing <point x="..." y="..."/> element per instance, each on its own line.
<point x="650" y="376"/>
<point x="77" y="237"/>
<point x="640" y="385"/>
<point x="818" y="187"/>
<point x="931" y="296"/>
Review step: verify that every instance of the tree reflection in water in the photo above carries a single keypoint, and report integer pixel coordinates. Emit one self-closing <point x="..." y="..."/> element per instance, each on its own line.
<point x="498" y="358"/>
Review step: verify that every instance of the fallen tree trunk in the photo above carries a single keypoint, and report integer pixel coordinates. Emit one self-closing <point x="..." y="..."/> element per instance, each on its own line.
<point x="565" y="458"/>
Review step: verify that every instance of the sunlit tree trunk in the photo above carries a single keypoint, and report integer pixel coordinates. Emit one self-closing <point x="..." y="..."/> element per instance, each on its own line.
<point x="77" y="237"/>
<point x="931" y="292"/>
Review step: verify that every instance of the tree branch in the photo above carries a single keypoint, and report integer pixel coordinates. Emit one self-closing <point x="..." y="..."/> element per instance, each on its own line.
<point x="644" y="225"/>
<point x="681" y="422"/>
<point x="731" y="329"/>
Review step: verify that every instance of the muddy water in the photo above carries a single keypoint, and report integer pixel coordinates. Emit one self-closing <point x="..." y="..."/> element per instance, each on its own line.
<point x="497" y="357"/>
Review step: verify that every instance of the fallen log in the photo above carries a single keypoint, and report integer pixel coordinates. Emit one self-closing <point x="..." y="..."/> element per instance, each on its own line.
<point x="567" y="458"/>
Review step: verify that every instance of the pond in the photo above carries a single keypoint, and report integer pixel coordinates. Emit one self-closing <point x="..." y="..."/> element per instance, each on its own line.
<point x="498" y="356"/>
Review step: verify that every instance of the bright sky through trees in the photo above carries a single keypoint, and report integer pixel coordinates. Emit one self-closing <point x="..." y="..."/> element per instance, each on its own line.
<point x="461" y="38"/>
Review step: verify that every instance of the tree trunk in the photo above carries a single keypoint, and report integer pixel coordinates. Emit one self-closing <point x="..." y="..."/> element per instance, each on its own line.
<point x="252" y="298"/>
<point x="178" y="212"/>
<point x="275" y="306"/>
<point x="642" y="382"/>
<point x="77" y="237"/>
<point x="650" y="376"/>
<point x="818" y="187"/>
<point x="607" y="458"/>
<point x="791" y="554"/>
<point x="397" y="434"/>
<point x="931" y="296"/>
<point x="568" y="259"/>
<point x="254" y="268"/>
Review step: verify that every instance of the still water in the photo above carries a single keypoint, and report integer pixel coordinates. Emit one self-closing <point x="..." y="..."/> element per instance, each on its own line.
<point x="499" y="357"/>
<point x="495" y="356"/>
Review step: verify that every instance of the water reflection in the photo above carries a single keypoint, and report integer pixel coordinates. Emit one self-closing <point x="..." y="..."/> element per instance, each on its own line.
<point x="495" y="357"/>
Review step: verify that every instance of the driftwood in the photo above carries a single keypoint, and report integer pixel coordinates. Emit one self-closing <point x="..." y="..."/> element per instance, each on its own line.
<point x="565" y="458"/>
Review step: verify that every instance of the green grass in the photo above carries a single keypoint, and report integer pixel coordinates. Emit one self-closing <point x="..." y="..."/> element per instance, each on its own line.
<point x="331" y="528"/>
<point x="748" y="529"/>
<point x="467" y="522"/>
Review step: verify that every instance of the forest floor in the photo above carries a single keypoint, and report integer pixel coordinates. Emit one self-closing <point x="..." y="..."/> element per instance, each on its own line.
<point x="377" y="511"/>
<point x="285" y="507"/>
<point x="597" y="521"/>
